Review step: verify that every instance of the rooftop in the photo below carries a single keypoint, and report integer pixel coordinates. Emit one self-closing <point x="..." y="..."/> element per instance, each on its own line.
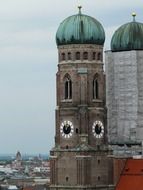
<point x="132" y="175"/>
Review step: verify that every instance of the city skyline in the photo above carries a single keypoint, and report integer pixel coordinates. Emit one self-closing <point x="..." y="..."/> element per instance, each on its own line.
<point x="28" y="64"/>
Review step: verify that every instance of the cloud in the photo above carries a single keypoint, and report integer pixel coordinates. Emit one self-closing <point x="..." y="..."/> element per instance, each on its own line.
<point x="31" y="8"/>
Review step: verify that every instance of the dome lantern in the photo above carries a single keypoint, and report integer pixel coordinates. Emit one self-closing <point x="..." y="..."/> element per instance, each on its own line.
<point x="134" y="15"/>
<point x="79" y="7"/>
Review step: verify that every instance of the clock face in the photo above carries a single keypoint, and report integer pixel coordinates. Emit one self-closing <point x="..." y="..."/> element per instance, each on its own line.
<point x="98" y="129"/>
<point x="66" y="129"/>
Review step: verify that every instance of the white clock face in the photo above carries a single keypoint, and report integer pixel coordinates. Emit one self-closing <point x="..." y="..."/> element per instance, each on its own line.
<point x="66" y="129"/>
<point x="98" y="129"/>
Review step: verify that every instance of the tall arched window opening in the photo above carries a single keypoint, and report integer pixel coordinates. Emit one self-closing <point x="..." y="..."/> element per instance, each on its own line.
<point x="77" y="55"/>
<point x="68" y="88"/>
<point x="94" y="55"/>
<point x="63" y="56"/>
<point x="85" y="55"/>
<point x="95" y="89"/>
<point x="69" y="55"/>
<point x="99" y="56"/>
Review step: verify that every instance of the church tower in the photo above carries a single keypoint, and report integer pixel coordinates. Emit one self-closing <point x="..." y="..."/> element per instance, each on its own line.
<point x="124" y="84"/>
<point x="80" y="158"/>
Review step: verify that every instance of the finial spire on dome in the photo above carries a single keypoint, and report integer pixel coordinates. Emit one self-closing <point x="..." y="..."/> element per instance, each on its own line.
<point x="79" y="7"/>
<point x="134" y="15"/>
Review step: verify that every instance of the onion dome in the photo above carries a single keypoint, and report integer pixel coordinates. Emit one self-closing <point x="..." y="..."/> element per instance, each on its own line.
<point x="80" y="29"/>
<point x="128" y="37"/>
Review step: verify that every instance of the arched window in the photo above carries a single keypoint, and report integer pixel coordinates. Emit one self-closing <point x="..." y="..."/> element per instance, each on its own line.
<point x="98" y="178"/>
<point x="95" y="89"/>
<point x="68" y="88"/>
<point x="85" y="55"/>
<point x="67" y="178"/>
<point x="63" y="56"/>
<point x="77" y="55"/>
<point x="94" y="56"/>
<point x="99" y="56"/>
<point x="69" y="55"/>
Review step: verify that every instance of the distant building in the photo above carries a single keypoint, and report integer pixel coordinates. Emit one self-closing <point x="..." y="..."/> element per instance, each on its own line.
<point x="9" y="187"/>
<point x="18" y="156"/>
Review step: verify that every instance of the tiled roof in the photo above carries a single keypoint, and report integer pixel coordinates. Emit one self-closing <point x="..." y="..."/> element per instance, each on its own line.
<point x="132" y="176"/>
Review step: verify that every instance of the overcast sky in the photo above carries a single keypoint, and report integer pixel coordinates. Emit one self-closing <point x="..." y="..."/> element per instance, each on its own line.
<point x="28" y="64"/>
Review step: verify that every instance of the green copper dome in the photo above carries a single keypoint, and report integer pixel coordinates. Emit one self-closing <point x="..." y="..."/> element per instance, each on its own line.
<point x="128" y="37"/>
<point x="80" y="29"/>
